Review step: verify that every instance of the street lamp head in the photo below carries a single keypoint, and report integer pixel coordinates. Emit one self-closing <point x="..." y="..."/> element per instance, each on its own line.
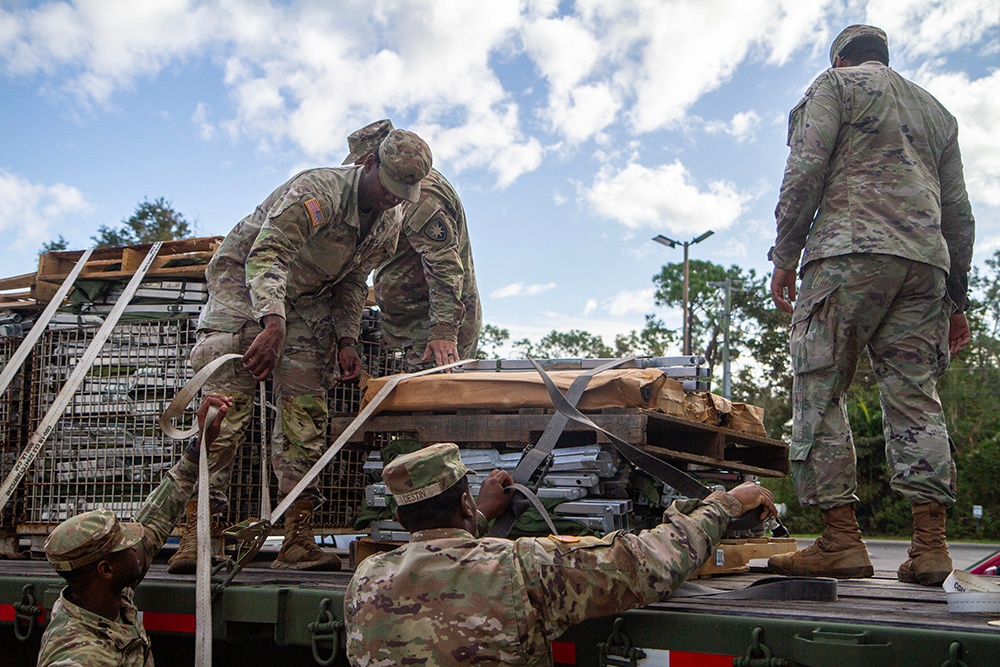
<point x="660" y="238"/>
<point x="703" y="237"/>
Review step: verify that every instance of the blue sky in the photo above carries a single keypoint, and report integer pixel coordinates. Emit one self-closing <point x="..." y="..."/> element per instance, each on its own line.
<point x="574" y="131"/>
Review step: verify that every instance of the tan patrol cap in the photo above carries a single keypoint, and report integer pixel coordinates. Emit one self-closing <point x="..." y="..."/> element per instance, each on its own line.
<point x="87" y="538"/>
<point x="425" y="473"/>
<point x="366" y="140"/>
<point x="853" y="32"/>
<point x="404" y="161"/>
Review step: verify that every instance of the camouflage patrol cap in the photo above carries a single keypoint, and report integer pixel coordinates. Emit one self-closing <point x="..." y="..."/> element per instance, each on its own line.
<point x="87" y="538"/>
<point x="366" y="140"/>
<point x="425" y="473"/>
<point x="405" y="159"/>
<point x="853" y="32"/>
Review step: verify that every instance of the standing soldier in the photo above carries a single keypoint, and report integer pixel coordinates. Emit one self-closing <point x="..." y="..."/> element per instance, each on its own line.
<point x="286" y="290"/>
<point x="874" y="194"/>
<point x="427" y="290"/>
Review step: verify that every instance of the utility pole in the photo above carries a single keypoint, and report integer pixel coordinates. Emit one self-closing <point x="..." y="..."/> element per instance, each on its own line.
<point x="663" y="240"/>
<point x="729" y="285"/>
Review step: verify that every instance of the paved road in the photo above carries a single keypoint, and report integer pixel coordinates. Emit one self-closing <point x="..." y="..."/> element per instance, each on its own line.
<point x="888" y="554"/>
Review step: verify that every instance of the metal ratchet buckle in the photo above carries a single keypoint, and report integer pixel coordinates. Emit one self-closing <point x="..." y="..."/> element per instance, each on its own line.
<point x="249" y="536"/>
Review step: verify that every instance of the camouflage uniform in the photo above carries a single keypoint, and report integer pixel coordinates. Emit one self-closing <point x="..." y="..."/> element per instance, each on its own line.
<point x="76" y="637"/>
<point x="304" y="255"/>
<point x="449" y="598"/>
<point x="874" y="199"/>
<point x="427" y="290"/>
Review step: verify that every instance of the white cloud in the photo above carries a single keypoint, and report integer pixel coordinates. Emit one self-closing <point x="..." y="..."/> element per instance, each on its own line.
<point x="742" y="127"/>
<point x="206" y="130"/>
<point x="520" y="289"/>
<point x="590" y="307"/>
<point x="918" y="28"/>
<point x="665" y="198"/>
<point x="29" y="212"/>
<point x="976" y="105"/>
<point x="628" y="302"/>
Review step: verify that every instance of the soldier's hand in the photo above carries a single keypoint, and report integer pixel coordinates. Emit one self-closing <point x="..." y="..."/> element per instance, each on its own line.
<point x="350" y="363"/>
<point x="266" y="348"/>
<point x="753" y="495"/>
<point x="782" y="283"/>
<point x="493" y="499"/>
<point x="442" y="351"/>
<point x="222" y="403"/>
<point x="958" y="333"/>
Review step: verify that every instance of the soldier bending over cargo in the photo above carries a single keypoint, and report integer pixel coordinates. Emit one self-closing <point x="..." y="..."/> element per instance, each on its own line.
<point x="450" y="598"/>
<point x="286" y="290"/>
<point x="94" y="623"/>
<point x="426" y="291"/>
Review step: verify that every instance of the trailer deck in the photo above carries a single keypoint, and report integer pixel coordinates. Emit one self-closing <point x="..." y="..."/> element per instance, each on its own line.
<point x="876" y="621"/>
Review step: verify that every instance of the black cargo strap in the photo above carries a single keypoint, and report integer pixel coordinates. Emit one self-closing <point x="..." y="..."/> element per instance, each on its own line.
<point x="661" y="470"/>
<point x="813" y="589"/>
<point x="536" y="456"/>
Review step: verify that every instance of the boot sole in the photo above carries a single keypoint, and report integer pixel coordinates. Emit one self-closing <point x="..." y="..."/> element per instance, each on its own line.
<point x="862" y="572"/>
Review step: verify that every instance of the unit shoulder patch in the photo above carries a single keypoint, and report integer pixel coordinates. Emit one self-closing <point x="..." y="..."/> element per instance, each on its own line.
<point x="435" y="230"/>
<point x="315" y="212"/>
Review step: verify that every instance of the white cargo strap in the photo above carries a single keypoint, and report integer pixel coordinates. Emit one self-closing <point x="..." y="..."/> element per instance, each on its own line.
<point x="969" y="593"/>
<point x="38" y="327"/>
<point x="80" y="371"/>
<point x="187" y="394"/>
<point x="265" y="478"/>
<point x="342" y="439"/>
<point x="203" y="569"/>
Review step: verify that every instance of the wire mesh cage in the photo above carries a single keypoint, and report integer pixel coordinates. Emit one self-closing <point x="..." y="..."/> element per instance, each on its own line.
<point x="13" y="416"/>
<point x="107" y="449"/>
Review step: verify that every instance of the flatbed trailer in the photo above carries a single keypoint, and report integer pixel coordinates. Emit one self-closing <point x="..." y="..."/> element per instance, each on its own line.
<point x="296" y="617"/>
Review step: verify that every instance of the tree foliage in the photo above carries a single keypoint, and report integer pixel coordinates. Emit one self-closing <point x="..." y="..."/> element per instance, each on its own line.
<point x="152" y="221"/>
<point x="491" y="339"/>
<point x="54" y="246"/>
<point x="565" y="345"/>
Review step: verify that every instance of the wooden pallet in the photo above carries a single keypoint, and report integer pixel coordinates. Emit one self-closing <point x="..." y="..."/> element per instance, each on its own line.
<point x="669" y="438"/>
<point x="177" y="260"/>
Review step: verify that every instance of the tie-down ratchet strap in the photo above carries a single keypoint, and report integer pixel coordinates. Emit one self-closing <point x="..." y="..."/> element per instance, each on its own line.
<point x="661" y="470"/>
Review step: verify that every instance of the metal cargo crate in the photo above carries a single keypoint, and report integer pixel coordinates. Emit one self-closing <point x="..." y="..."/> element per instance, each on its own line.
<point x="13" y="416"/>
<point x="108" y="451"/>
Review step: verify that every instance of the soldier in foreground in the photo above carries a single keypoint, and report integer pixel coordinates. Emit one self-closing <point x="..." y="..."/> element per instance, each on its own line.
<point x="427" y="290"/>
<point x="286" y="290"/>
<point x="94" y="623"/>
<point x="448" y="598"/>
<point x="874" y="194"/>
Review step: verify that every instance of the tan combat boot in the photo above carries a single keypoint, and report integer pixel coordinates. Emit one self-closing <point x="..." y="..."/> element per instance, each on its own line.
<point x="929" y="563"/>
<point x="298" y="549"/>
<point x="185" y="559"/>
<point x="838" y="553"/>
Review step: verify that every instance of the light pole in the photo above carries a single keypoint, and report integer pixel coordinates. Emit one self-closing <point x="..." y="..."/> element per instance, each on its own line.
<point x="660" y="238"/>
<point x="729" y="285"/>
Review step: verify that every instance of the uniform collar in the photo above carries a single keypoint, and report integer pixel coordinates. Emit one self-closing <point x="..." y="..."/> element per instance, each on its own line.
<point x="441" y="534"/>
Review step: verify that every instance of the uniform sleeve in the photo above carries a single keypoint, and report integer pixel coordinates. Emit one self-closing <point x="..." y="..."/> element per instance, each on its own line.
<point x="162" y="509"/>
<point x="348" y="301"/>
<point x="569" y="582"/>
<point x="957" y="224"/>
<point x="813" y="126"/>
<point x="288" y="226"/>
<point x="437" y="245"/>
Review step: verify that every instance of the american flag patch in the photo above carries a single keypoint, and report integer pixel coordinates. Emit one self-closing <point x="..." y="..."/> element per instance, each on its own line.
<point x="315" y="212"/>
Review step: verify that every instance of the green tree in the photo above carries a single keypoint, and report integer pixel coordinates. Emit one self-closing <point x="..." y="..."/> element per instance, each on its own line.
<point x="491" y="338"/>
<point x="569" y="344"/>
<point x="54" y="246"/>
<point x="152" y="221"/>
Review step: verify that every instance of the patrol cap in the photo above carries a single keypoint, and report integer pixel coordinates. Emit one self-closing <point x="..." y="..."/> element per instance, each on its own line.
<point x="366" y="140"/>
<point x="875" y="35"/>
<point x="404" y="161"/>
<point x="425" y="473"/>
<point x="87" y="538"/>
